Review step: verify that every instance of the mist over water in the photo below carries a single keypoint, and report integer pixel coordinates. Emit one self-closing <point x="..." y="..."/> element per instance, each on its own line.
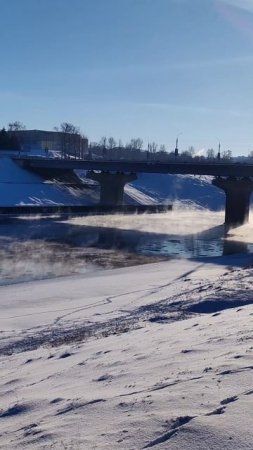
<point x="39" y="248"/>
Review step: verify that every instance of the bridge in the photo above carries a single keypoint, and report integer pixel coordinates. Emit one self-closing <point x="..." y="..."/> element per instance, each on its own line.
<point x="235" y="179"/>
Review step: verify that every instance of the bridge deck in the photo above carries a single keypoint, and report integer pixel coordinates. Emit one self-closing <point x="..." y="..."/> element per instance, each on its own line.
<point x="195" y="168"/>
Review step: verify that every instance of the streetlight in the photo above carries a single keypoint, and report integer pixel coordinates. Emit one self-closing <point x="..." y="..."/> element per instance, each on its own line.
<point x="176" y="148"/>
<point x="218" y="155"/>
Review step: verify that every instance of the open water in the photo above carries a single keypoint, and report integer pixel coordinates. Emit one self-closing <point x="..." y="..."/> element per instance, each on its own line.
<point x="38" y="248"/>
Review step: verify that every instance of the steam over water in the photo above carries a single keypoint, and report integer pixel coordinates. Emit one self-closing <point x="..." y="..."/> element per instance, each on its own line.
<point x="45" y="248"/>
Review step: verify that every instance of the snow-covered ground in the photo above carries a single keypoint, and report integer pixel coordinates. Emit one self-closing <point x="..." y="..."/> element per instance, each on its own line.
<point x="156" y="356"/>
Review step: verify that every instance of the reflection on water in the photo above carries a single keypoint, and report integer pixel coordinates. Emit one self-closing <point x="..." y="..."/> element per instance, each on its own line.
<point x="45" y="248"/>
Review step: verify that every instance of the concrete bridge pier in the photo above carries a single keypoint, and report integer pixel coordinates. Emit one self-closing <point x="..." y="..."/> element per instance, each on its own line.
<point x="237" y="198"/>
<point x="112" y="185"/>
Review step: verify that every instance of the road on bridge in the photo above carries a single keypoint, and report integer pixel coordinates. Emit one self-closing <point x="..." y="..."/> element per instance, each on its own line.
<point x="217" y="169"/>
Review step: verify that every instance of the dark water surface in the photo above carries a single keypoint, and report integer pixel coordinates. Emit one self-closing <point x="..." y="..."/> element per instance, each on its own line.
<point x="45" y="248"/>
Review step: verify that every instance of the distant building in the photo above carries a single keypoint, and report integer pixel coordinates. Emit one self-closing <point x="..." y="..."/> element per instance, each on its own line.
<point x="64" y="143"/>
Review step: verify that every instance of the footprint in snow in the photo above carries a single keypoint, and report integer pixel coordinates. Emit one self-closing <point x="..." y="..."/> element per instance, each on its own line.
<point x="229" y="400"/>
<point x="15" y="410"/>
<point x="105" y="377"/>
<point x="174" y="426"/>
<point x="217" y="411"/>
<point x="65" y="354"/>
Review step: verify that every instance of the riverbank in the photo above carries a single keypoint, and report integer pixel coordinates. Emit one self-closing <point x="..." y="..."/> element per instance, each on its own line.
<point x="130" y="358"/>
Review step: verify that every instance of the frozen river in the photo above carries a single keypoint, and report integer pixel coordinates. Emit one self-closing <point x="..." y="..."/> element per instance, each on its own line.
<point x="37" y="248"/>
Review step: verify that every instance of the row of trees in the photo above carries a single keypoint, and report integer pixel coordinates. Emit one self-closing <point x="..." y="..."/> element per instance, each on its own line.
<point x="108" y="146"/>
<point x="135" y="149"/>
<point x="134" y="144"/>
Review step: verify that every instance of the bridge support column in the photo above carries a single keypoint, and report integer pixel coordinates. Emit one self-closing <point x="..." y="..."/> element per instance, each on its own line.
<point x="112" y="185"/>
<point x="237" y="199"/>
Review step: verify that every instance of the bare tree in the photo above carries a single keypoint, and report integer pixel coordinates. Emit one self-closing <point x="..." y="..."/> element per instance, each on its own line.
<point x="226" y="154"/>
<point x="67" y="127"/>
<point x="111" y="143"/>
<point x="70" y="138"/>
<point x="103" y="142"/>
<point x="16" y="126"/>
<point x="136" y="143"/>
<point x="162" y="148"/>
<point x="210" y="153"/>
<point x="152" y="147"/>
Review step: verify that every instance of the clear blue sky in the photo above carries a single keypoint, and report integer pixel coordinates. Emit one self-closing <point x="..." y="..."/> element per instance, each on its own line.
<point x="131" y="68"/>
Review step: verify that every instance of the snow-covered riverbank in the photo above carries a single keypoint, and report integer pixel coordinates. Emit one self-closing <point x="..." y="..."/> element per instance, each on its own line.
<point x="150" y="356"/>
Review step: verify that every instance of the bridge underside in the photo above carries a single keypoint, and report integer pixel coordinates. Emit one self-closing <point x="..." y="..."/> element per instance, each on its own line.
<point x="67" y="176"/>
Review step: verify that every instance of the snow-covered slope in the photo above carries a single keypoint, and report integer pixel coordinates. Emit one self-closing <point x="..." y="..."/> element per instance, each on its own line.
<point x="20" y="187"/>
<point x="189" y="188"/>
